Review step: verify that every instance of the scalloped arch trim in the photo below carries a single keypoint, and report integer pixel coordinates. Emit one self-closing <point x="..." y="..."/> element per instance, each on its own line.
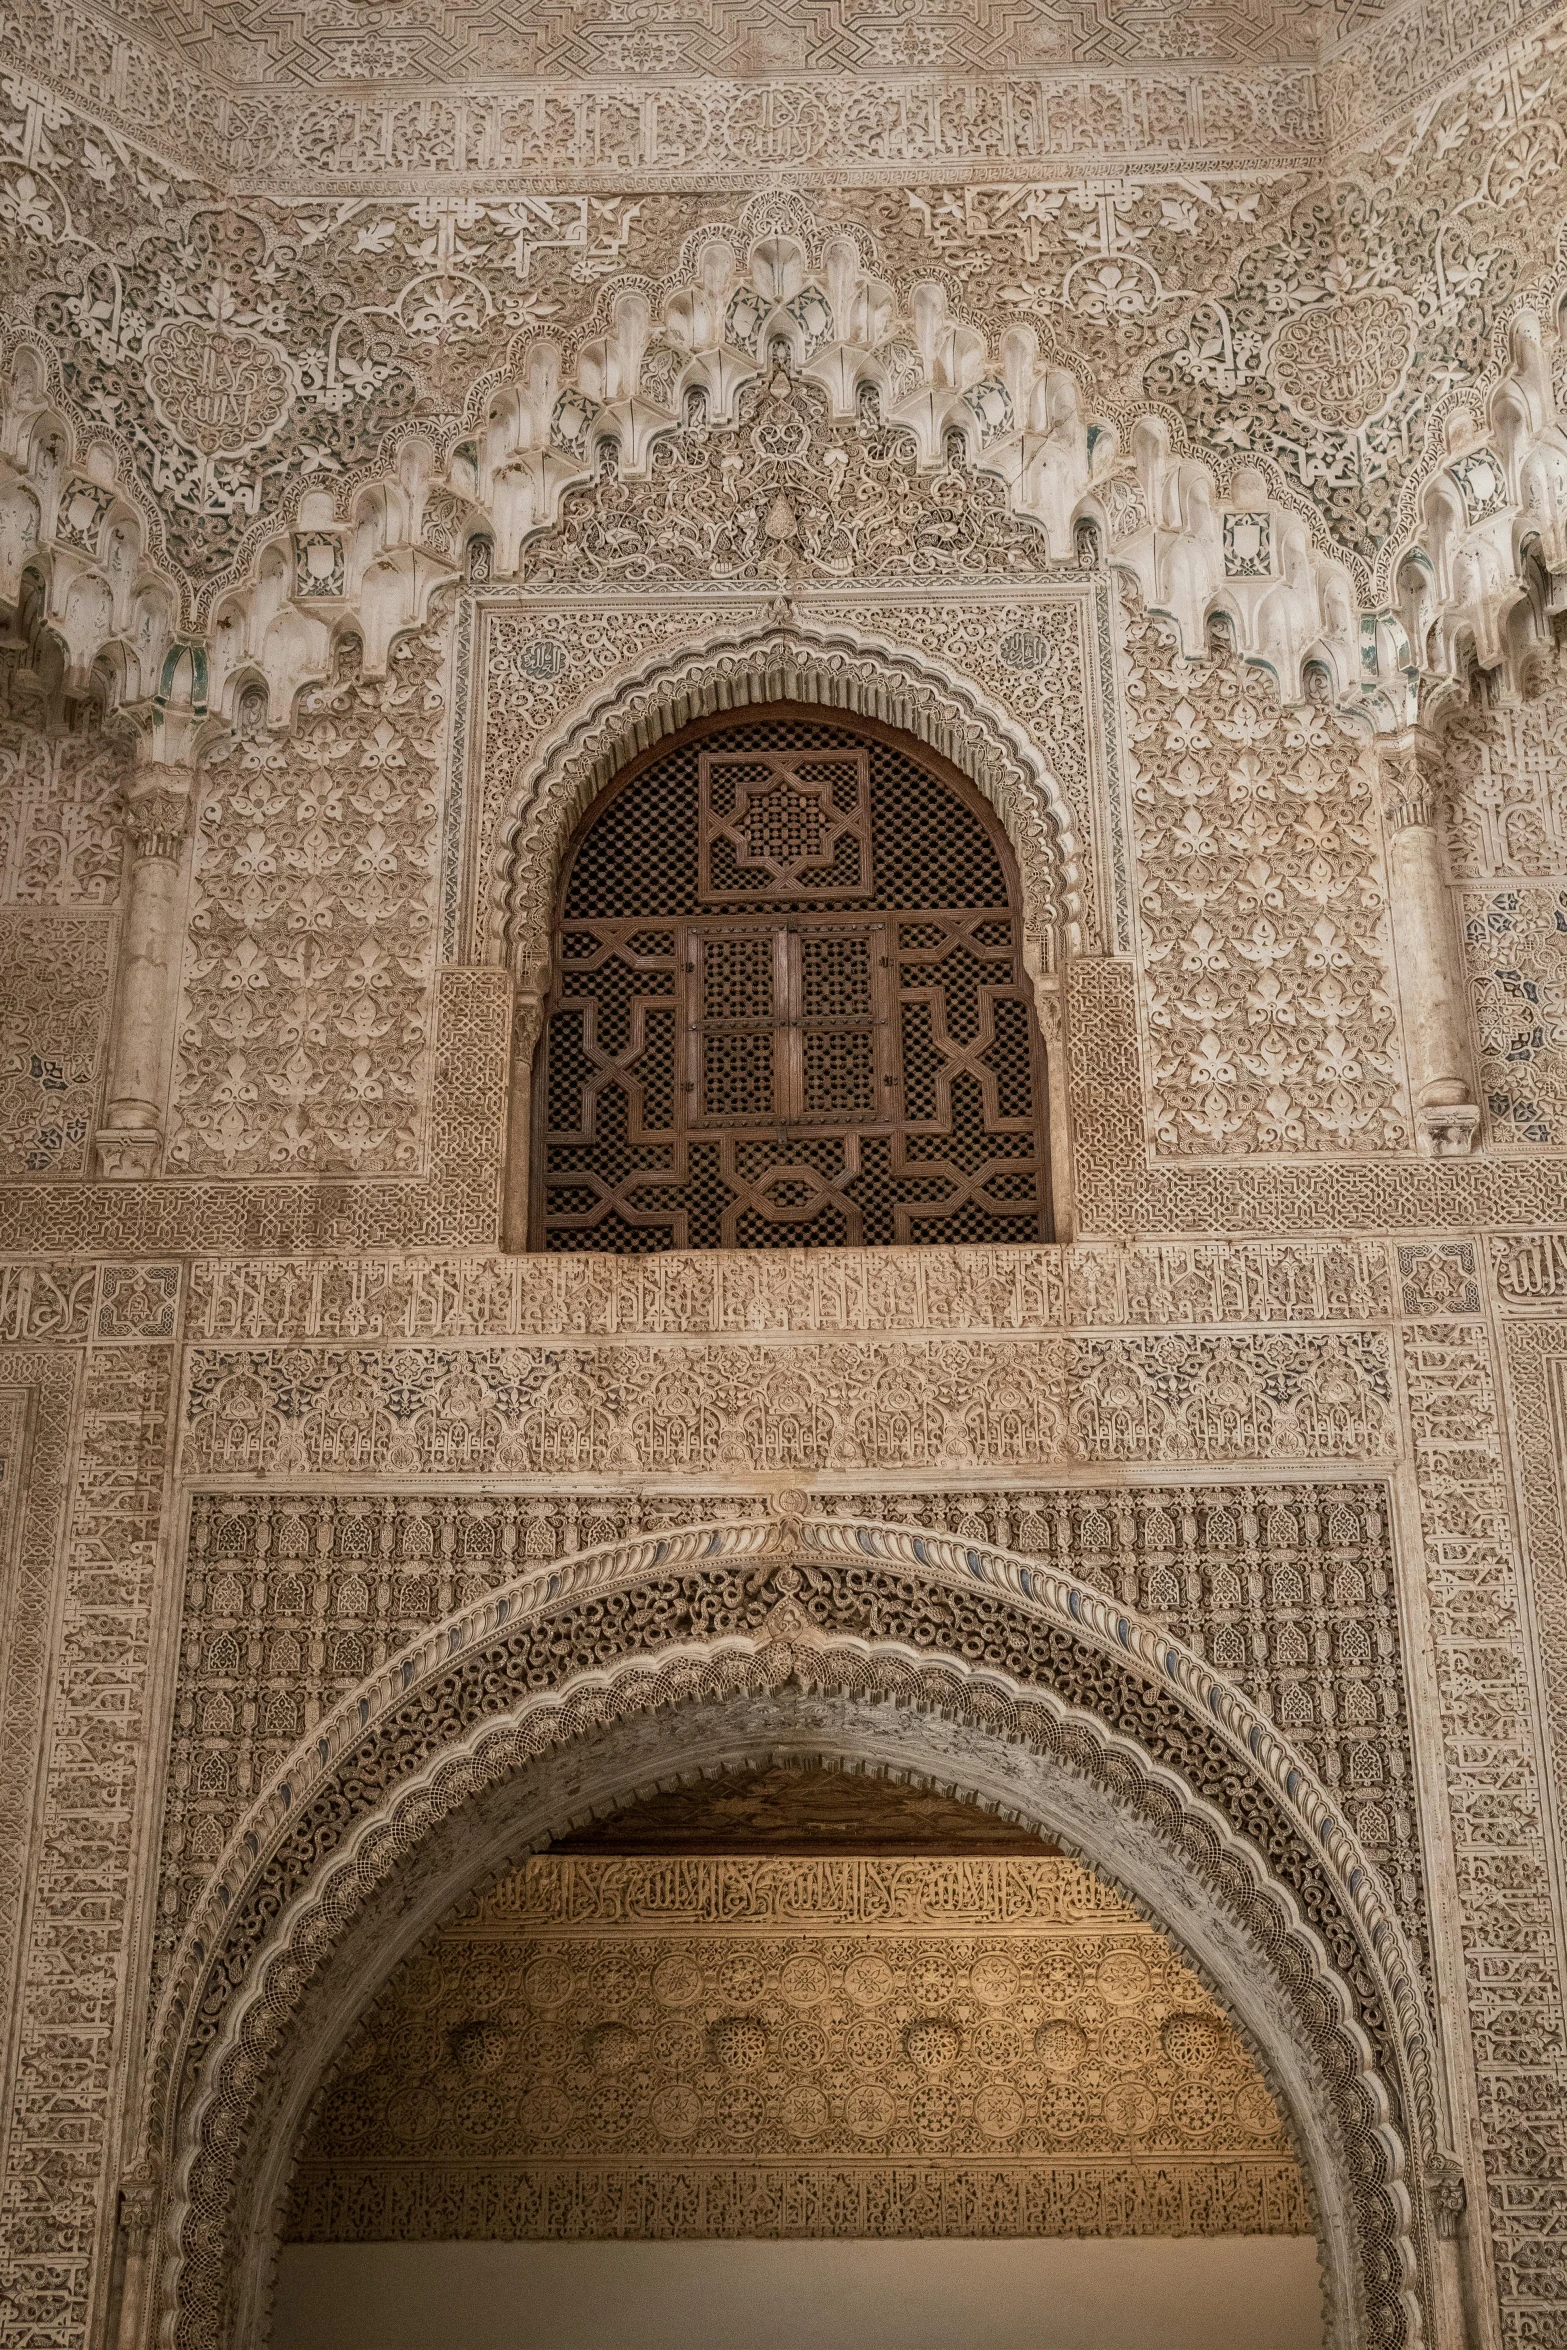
<point x="781" y="660"/>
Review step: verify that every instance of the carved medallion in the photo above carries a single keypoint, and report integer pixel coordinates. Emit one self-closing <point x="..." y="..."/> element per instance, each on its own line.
<point x="218" y="389"/>
<point x="1344" y="362"/>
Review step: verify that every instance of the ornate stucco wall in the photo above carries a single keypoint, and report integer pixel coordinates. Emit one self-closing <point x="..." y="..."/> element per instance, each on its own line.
<point x="407" y="421"/>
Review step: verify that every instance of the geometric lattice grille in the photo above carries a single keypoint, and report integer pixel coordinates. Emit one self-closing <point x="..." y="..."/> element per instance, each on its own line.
<point x="780" y="823"/>
<point x="789" y="1009"/>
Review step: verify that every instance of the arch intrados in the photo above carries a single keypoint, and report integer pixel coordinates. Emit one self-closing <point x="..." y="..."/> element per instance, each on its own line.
<point x="363" y="1858"/>
<point x="794" y="713"/>
<point x="680" y="1743"/>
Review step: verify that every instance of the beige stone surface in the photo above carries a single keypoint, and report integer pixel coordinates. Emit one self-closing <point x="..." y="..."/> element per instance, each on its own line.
<point x="407" y="420"/>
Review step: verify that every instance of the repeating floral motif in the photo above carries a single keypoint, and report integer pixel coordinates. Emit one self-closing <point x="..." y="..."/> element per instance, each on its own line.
<point x="606" y="2017"/>
<point x="60" y="841"/>
<point x="1268" y="988"/>
<point x="619" y="1408"/>
<point x="54" y="974"/>
<point x="452" y="1201"/>
<point x="305" y="1022"/>
<point x="1536" y="1356"/>
<point x="1538" y="1379"/>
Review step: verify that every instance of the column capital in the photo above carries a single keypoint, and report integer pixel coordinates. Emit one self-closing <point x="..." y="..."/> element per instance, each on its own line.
<point x="139" y="2201"/>
<point x="156" y="810"/>
<point x="1409" y="781"/>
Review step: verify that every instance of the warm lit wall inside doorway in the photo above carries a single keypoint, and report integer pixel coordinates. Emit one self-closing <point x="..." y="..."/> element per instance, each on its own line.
<point x="1214" y="2293"/>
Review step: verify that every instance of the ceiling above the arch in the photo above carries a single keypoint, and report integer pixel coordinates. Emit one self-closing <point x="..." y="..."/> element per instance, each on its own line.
<point x="790" y="1809"/>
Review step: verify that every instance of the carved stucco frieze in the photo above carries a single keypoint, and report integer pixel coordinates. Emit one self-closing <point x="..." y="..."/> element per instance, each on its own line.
<point x="696" y="2048"/>
<point x="812" y="1406"/>
<point x="1097" y="1285"/>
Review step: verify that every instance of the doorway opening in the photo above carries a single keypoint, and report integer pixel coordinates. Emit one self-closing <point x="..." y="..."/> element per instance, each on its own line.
<point x="789" y="2055"/>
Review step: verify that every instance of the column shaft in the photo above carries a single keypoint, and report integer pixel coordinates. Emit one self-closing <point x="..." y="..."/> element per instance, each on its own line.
<point x="144" y="1001"/>
<point x="1431" y="981"/>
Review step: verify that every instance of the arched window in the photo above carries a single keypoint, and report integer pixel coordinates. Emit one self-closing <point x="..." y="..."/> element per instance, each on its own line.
<point x="789" y="1006"/>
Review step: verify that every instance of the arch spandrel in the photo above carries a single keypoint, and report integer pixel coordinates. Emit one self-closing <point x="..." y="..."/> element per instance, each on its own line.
<point x="516" y="1717"/>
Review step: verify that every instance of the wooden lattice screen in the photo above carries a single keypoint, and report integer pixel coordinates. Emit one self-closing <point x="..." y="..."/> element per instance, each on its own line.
<point x="789" y="1007"/>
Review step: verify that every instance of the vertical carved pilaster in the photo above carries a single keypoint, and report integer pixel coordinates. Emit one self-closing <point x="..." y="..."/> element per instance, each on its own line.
<point x="527" y="1027"/>
<point x="157" y="817"/>
<point x="1050" y="1012"/>
<point x="138" y="2217"/>
<point x="1431" y="982"/>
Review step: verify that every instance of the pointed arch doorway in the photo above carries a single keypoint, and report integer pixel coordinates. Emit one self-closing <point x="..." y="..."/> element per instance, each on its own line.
<point x="686" y="1656"/>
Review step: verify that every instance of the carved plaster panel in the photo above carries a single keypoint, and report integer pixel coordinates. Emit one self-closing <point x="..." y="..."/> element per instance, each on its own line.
<point x="737" y="1410"/>
<point x="292" y="1600"/>
<point x="1498" y="1789"/>
<point x="1098" y="1285"/>
<point x="74" y="1751"/>
<point x="54" y="987"/>
<point x="757" y="2047"/>
<point x="308" y="975"/>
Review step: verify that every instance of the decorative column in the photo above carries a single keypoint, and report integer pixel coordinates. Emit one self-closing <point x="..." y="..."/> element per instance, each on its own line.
<point x="526" y="1028"/>
<point x="1430" y="973"/>
<point x="138" y="2215"/>
<point x="156" y="811"/>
